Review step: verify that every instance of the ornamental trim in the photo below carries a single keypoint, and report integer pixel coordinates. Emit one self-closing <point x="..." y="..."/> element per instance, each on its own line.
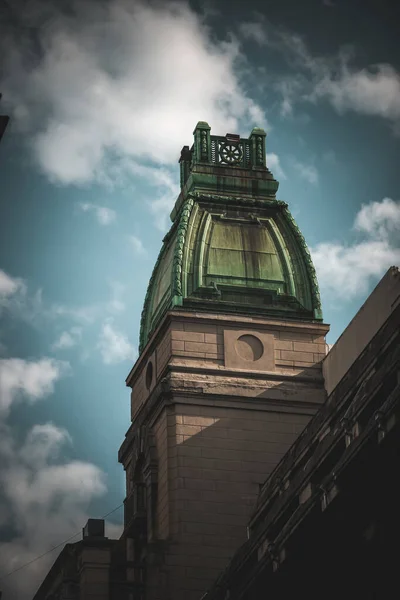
<point x="259" y="151"/>
<point x="312" y="275"/>
<point x="252" y="201"/>
<point x="180" y="246"/>
<point x="145" y="310"/>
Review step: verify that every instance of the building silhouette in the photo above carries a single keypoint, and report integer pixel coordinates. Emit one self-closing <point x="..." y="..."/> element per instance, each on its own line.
<point x="255" y="463"/>
<point x="326" y="521"/>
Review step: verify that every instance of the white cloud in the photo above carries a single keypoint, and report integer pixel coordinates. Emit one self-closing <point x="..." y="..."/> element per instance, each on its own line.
<point x="307" y="172"/>
<point x="32" y="307"/>
<point x="115" y="304"/>
<point x="253" y="30"/>
<point x="161" y="208"/>
<point x="24" y="305"/>
<point x="346" y="271"/>
<point x="30" y="380"/>
<point x="21" y="303"/>
<point x="13" y="296"/>
<point x="373" y="90"/>
<point x="104" y="215"/>
<point x="114" y="346"/>
<point x="85" y="314"/>
<point x="167" y="185"/>
<point x="137" y="245"/>
<point x="44" y="501"/>
<point x="274" y="165"/>
<point x="123" y="79"/>
<point x="68" y="339"/>
<point x="9" y="285"/>
<point x="287" y="88"/>
<point x="379" y="219"/>
<point x="43" y="442"/>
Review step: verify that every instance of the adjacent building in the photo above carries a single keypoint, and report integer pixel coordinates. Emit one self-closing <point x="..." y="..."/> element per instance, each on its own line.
<point x="326" y="521"/>
<point x="235" y="404"/>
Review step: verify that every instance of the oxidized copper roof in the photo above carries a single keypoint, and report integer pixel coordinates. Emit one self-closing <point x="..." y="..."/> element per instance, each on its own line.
<point x="233" y="247"/>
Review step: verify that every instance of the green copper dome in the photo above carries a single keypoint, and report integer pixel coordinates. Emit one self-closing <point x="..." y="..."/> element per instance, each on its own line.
<point x="232" y="247"/>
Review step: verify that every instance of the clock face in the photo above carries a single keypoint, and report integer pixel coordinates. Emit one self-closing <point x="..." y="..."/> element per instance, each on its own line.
<point x="230" y="153"/>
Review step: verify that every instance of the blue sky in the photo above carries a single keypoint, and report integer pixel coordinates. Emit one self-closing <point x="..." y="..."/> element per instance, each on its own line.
<point x="102" y="96"/>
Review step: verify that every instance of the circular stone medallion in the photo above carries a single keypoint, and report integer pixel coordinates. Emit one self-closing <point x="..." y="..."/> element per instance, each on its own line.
<point x="249" y="347"/>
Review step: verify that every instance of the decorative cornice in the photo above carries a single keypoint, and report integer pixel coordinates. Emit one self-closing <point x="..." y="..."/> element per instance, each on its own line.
<point x="145" y="310"/>
<point x="237" y="200"/>
<point x="315" y="295"/>
<point x="181" y="224"/>
<point x="179" y="247"/>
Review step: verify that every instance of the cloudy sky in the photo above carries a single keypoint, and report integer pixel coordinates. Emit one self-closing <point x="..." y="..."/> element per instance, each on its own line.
<point x="102" y="97"/>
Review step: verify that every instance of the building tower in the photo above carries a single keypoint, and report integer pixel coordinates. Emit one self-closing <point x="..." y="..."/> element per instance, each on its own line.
<point x="229" y="370"/>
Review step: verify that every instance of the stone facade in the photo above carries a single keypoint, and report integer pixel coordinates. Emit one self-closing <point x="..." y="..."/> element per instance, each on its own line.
<point x="224" y="398"/>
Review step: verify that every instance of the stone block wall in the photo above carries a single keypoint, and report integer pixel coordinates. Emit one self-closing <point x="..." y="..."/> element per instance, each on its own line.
<point x="221" y="457"/>
<point x="197" y="340"/>
<point x="224" y="397"/>
<point x="95" y="573"/>
<point x="160" y="430"/>
<point x="205" y="341"/>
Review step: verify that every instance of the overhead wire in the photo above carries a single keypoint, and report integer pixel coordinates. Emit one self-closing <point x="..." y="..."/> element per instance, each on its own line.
<point x="54" y="548"/>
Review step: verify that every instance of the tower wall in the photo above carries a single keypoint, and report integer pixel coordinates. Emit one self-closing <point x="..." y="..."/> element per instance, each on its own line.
<point x="229" y="373"/>
<point x="223" y="397"/>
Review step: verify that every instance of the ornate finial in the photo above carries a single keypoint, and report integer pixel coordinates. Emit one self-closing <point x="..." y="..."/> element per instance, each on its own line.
<point x="202" y="125"/>
<point x="257" y="138"/>
<point x="258" y="131"/>
<point x="202" y="142"/>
